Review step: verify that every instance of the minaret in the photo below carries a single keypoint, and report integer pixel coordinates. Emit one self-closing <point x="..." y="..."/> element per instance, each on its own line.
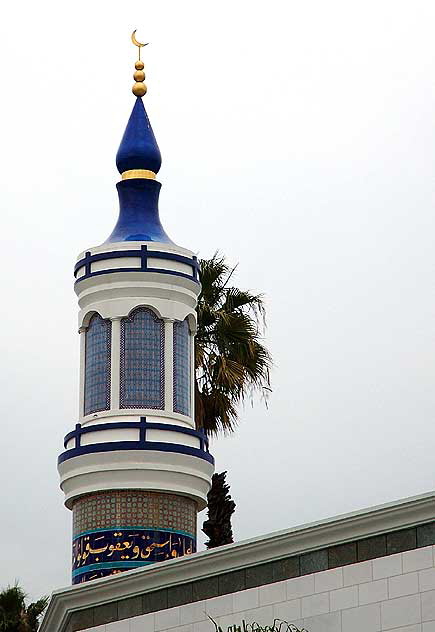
<point x="135" y="471"/>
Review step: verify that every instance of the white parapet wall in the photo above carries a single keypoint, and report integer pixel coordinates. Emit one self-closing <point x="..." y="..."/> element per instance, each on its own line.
<point x="368" y="571"/>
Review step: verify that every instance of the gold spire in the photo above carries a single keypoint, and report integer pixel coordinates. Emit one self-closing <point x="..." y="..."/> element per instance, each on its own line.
<point x="139" y="88"/>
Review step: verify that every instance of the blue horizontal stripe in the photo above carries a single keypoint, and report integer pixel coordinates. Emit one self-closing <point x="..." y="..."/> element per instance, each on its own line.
<point x="158" y="270"/>
<point x="96" y="567"/>
<point x="119" y="254"/>
<point x="166" y="530"/>
<point x="114" y="446"/>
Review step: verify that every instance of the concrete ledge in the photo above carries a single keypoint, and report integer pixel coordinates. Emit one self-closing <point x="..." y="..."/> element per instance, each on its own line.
<point x="345" y="539"/>
<point x="152" y="470"/>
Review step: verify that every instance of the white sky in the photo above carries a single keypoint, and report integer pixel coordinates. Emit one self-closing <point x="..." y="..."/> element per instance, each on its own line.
<point x="298" y="138"/>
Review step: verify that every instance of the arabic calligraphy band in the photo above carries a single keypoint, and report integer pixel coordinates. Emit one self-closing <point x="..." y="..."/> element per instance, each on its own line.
<point x="107" y="552"/>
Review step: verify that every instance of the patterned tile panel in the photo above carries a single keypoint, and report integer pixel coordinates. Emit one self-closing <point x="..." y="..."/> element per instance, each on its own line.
<point x="129" y="508"/>
<point x="142" y="360"/>
<point x="97" y="365"/>
<point x="115" y="531"/>
<point x="182" y="368"/>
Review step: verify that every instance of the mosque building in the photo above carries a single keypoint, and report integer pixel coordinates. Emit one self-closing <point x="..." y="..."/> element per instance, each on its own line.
<point x="135" y="470"/>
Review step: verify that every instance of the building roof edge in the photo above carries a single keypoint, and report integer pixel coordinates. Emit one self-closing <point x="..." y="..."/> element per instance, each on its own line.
<point x="371" y="521"/>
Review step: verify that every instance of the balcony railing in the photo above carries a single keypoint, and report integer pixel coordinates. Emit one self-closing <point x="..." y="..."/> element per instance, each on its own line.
<point x="144" y="429"/>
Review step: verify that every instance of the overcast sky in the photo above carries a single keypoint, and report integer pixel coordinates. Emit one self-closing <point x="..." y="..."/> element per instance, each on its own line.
<point x="298" y="139"/>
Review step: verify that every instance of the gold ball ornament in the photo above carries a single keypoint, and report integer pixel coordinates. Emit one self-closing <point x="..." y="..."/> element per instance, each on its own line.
<point x="139" y="75"/>
<point x="139" y="65"/>
<point x="139" y="89"/>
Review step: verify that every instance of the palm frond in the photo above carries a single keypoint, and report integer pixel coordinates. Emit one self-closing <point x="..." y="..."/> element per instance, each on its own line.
<point x="231" y="362"/>
<point x="34" y="612"/>
<point x="15" y="616"/>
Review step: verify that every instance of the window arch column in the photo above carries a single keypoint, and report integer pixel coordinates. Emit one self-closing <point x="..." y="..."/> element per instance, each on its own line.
<point x="115" y="362"/>
<point x="169" y="360"/>
<point x="192" y="374"/>
<point x="82" y="333"/>
<point x="182" y="367"/>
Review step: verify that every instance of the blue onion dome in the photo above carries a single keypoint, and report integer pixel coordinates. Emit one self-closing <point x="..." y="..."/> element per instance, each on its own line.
<point x="138" y="160"/>
<point x="138" y="148"/>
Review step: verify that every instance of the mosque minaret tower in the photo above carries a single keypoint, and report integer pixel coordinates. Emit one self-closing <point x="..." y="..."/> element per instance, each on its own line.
<point x="135" y="470"/>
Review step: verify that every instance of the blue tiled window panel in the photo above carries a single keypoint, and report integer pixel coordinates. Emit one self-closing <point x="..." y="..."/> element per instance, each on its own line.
<point x="142" y="360"/>
<point x="182" y="368"/>
<point x="97" y="365"/>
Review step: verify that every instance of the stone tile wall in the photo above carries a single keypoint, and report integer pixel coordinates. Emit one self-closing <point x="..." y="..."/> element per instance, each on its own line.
<point x="394" y="593"/>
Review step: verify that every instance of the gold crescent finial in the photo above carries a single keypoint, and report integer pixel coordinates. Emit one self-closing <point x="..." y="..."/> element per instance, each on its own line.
<point x="139" y="88"/>
<point x="136" y="43"/>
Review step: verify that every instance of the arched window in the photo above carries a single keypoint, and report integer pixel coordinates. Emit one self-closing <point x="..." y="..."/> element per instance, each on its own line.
<point x="182" y="368"/>
<point x="97" y="365"/>
<point x="142" y="360"/>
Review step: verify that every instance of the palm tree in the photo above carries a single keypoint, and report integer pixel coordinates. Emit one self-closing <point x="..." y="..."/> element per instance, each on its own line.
<point x="15" y="615"/>
<point x="230" y="360"/>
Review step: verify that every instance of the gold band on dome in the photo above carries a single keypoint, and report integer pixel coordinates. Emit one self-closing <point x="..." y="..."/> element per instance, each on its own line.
<point x="138" y="173"/>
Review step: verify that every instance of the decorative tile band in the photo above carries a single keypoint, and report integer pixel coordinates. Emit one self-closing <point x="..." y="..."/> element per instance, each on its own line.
<point x="111" y="551"/>
<point x="103" y="510"/>
<point x="160" y="527"/>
